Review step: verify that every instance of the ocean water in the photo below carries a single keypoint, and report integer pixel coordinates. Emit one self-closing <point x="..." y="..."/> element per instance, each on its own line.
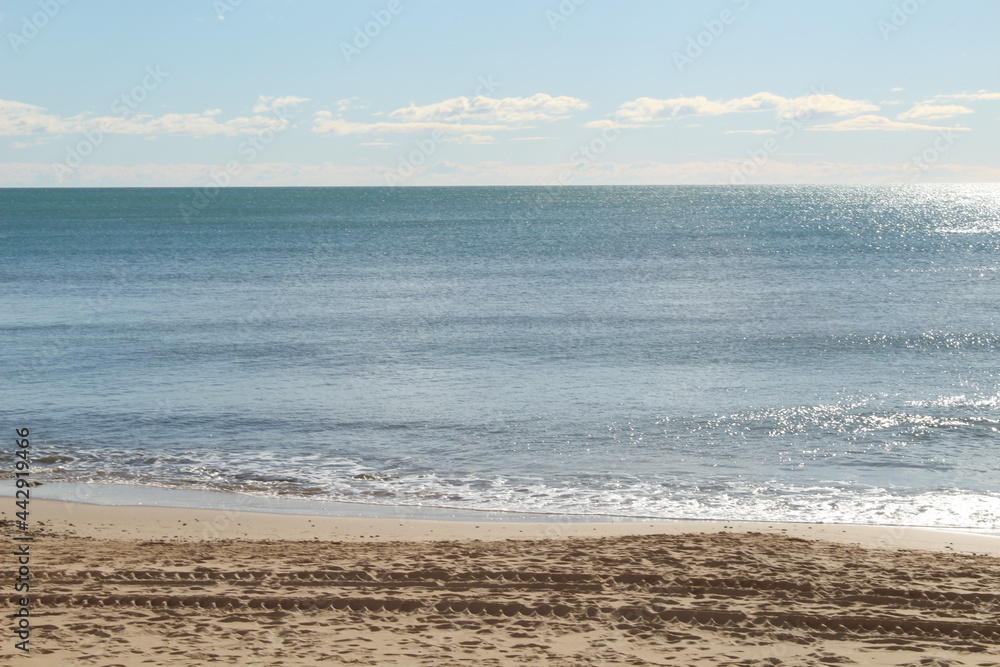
<point x="771" y="353"/>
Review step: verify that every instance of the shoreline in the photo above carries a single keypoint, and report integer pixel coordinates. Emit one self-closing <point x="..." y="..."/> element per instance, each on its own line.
<point x="194" y="524"/>
<point x="138" y="495"/>
<point x="157" y="496"/>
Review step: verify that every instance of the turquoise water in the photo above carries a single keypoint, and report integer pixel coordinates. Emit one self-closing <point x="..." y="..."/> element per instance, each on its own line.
<point x="774" y="353"/>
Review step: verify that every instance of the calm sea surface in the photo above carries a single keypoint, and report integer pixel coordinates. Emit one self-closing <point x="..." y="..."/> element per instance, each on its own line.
<point x="774" y="353"/>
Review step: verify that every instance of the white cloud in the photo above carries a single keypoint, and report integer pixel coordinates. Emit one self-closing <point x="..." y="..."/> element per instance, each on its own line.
<point x="266" y="104"/>
<point x="509" y="110"/>
<point x="349" y="103"/>
<point x="926" y="111"/>
<point x="647" y="110"/>
<point x="603" y="124"/>
<point x="326" y="123"/>
<point x="204" y="124"/>
<point x="815" y="106"/>
<point x="21" y="119"/>
<point x="869" y="122"/>
<point x="470" y="118"/>
<point x="473" y="138"/>
<point x="969" y="97"/>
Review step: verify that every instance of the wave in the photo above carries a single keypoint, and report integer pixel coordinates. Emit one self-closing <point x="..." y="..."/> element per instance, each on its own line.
<point x="614" y="495"/>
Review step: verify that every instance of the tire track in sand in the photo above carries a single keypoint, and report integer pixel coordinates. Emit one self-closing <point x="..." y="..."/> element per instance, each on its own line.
<point x="615" y="601"/>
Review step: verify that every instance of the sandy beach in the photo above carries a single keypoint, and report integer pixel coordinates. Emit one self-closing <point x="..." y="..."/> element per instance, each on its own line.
<point x="115" y="586"/>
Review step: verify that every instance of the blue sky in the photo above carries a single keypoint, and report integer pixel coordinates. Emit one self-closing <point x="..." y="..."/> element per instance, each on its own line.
<point x="444" y="92"/>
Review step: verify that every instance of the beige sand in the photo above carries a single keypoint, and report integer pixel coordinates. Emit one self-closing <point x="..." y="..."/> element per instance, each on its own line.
<point x="159" y="586"/>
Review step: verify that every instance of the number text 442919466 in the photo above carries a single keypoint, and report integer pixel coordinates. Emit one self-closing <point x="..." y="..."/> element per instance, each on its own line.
<point x="22" y="540"/>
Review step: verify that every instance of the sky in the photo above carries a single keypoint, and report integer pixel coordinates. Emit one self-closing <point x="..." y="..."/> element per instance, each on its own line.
<point x="207" y="93"/>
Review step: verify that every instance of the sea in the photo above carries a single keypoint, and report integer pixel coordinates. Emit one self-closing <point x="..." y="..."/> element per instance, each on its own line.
<point x="771" y="353"/>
